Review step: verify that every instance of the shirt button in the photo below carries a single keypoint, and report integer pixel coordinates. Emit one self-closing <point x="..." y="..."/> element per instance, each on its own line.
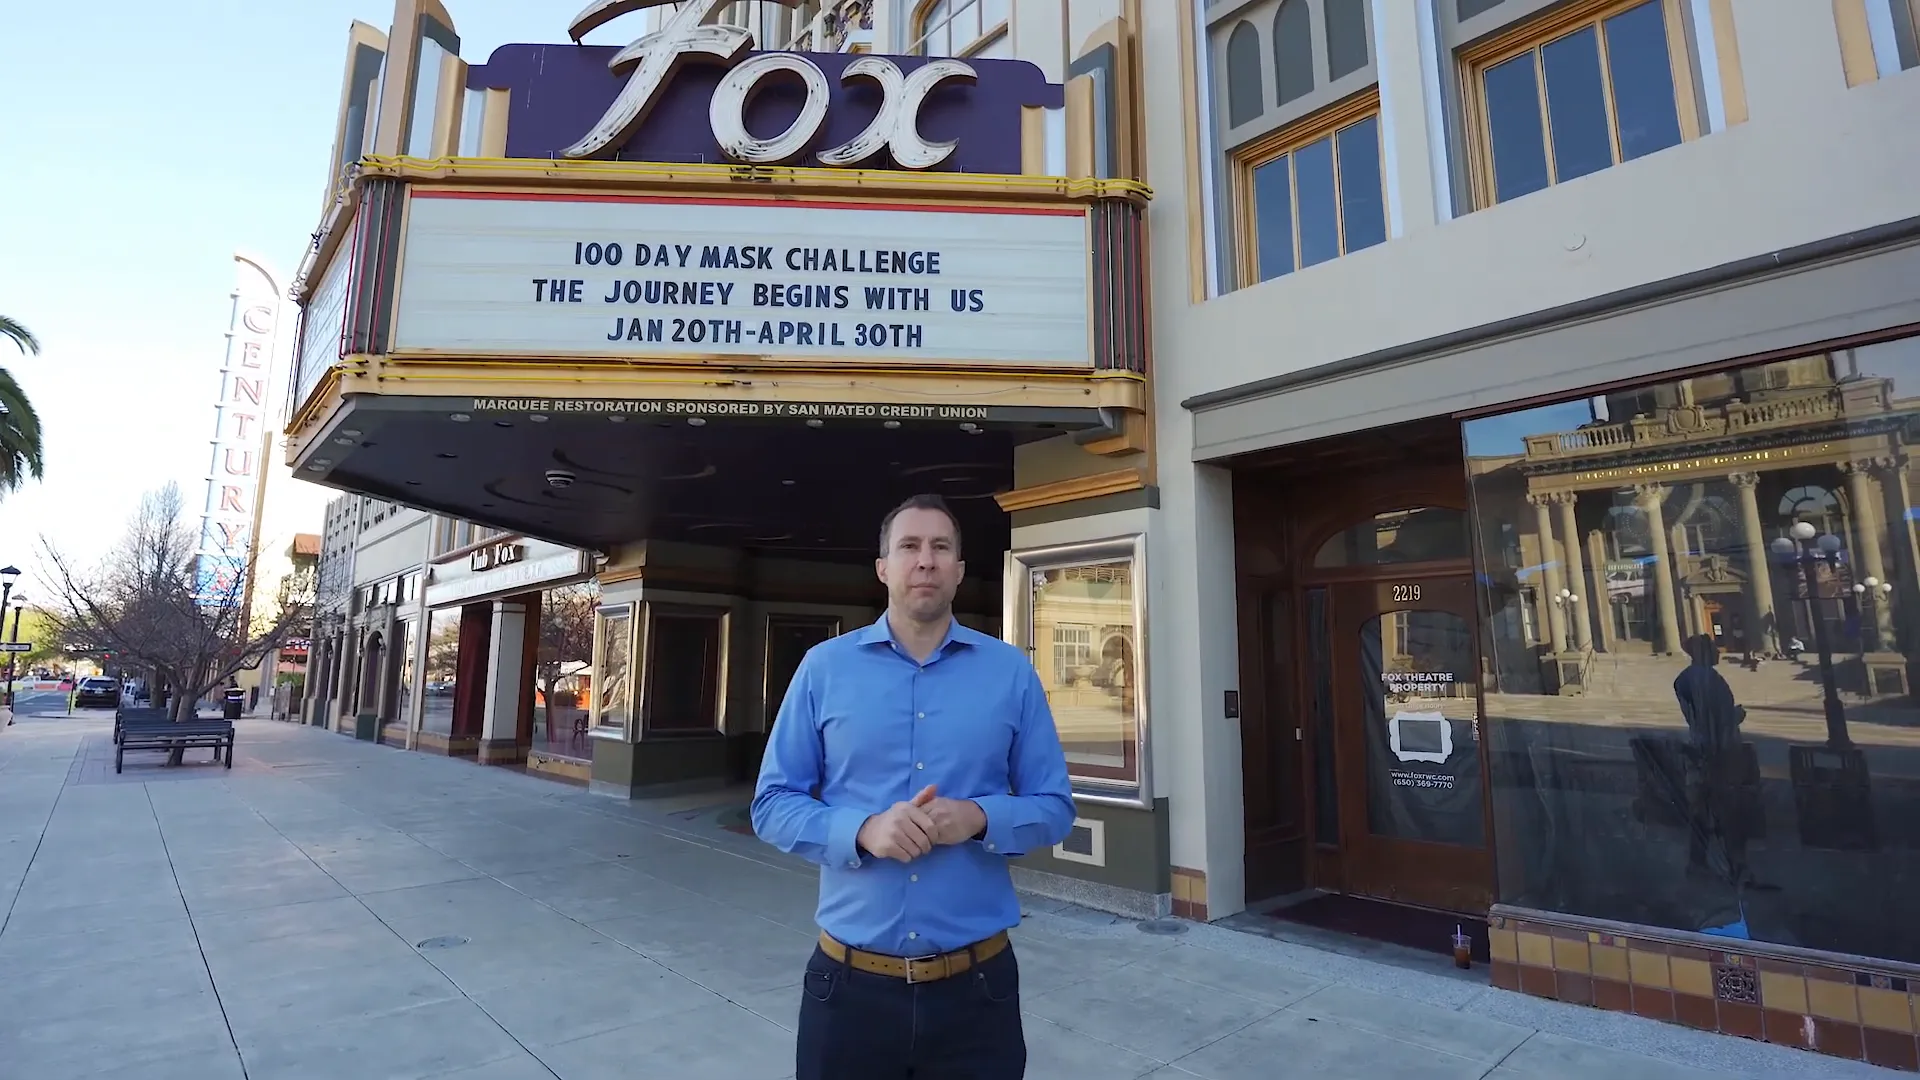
<point x="855" y="863"/>
<point x="920" y="716"/>
<point x="913" y="933"/>
<point x="989" y="847"/>
<point x="919" y="764"/>
<point x="913" y="877"/>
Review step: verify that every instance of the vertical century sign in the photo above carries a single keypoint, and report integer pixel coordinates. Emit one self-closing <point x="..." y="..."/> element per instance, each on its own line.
<point x="236" y="474"/>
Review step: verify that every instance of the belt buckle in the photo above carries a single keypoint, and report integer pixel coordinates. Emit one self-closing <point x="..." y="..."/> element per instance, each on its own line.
<point x="912" y="960"/>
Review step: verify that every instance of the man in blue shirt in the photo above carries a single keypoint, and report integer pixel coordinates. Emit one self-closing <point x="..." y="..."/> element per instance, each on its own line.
<point x="911" y="759"/>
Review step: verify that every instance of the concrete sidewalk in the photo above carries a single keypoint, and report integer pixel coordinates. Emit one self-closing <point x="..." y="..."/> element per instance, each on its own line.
<point x="333" y="909"/>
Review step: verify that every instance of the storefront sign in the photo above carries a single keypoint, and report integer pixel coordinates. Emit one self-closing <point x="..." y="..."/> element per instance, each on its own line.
<point x="491" y="273"/>
<point x="689" y="37"/>
<point x="493" y="555"/>
<point x="722" y="409"/>
<point x="564" y="100"/>
<point x="542" y="566"/>
<point x="235" y="477"/>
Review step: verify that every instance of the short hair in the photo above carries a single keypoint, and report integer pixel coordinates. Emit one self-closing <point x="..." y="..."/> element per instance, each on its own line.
<point x="918" y="502"/>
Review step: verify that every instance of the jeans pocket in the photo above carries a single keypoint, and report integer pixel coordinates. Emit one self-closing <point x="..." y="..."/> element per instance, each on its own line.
<point x="820" y="983"/>
<point x="998" y="980"/>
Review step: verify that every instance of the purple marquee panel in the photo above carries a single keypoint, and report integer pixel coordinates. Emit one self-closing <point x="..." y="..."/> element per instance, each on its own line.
<point x="560" y="91"/>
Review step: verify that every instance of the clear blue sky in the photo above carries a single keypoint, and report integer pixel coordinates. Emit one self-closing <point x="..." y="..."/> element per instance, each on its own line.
<point x="142" y="145"/>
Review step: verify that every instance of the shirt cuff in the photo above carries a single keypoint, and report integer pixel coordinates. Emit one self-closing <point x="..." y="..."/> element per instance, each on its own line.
<point x="1001" y="821"/>
<point x="843" y="832"/>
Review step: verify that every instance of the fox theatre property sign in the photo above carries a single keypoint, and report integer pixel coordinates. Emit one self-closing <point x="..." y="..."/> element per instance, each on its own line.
<point x="695" y="92"/>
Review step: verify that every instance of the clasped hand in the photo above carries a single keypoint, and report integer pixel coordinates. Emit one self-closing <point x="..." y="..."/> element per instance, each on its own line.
<point x="907" y="830"/>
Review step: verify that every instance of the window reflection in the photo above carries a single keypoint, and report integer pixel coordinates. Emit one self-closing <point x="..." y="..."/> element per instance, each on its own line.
<point x="1083" y="637"/>
<point x="443" y="665"/>
<point x="613" y="677"/>
<point x="1418" y="534"/>
<point x="1703" y="601"/>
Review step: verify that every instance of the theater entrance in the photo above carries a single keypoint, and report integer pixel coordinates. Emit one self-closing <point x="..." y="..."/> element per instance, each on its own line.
<point x="1360" y="673"/>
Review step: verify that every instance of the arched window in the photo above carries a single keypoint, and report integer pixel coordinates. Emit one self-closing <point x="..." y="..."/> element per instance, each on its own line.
<point x="1347" y="45"/>
<point x="1416" y="534"/>
<point x="1292" y="49"/>
<point x="970" y="28"/>
<point x="1245" y="93"/>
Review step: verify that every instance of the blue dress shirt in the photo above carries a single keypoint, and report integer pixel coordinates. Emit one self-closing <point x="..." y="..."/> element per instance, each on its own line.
<point x="864" y="726"/>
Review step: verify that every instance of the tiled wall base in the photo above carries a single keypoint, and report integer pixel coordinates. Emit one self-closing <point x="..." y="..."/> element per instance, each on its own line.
<point x="563" y="768"/>
<point x="1190" y="894"/>
<point x="1850" y="1007"/>
<point x="451" y="745"/>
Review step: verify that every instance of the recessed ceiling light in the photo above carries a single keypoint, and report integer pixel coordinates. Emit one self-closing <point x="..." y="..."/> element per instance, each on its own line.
<point x="617" y="418"/>
<point x="322" y="461"/>
<point x="316" y="468"/>
<point x="459" y="418"/>
<point x="503" y="423"/>
<point x="538" y="418"/>
<point x="351" y="433"/>
<point x="697" y="421"/>
<point x="969" y="427"/>
<point x="343" y="441"/>
<point x="891" y="424"/>
<point x="788" y="483"/>
<point x="816" y="423"/>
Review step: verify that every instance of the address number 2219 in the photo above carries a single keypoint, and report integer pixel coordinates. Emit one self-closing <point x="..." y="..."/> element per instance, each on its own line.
<point x="1406" y="594"/>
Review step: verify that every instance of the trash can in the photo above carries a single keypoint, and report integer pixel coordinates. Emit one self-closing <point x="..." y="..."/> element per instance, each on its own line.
<point x="235" y="701"/>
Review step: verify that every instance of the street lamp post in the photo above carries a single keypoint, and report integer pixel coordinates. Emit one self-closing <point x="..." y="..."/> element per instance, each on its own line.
<point x="8" y="575"/>
<point x="19" y="605"/>
<point x="1806" y="552"/>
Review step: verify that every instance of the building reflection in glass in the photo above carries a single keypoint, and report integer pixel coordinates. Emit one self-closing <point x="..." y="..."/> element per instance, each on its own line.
<point x="1699" y="607"/>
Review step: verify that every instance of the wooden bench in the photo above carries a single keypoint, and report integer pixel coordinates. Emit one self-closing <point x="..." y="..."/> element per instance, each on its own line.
<point x="170" y="735"/>
<point x="123" y="715"/>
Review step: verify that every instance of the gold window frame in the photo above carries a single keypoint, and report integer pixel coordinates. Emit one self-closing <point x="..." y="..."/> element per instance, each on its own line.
<point x="1017" y="629"/>
<point x="918" y="31"/>
<point x="1303" y="132"/>
<point x="1534" y="34"/>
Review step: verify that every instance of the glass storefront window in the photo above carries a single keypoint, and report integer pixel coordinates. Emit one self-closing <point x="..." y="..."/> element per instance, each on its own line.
<point x="403" y="685"/>
<point x="443" y="666"/>
<point x="686" y="667"/>
<point x="1700" y="611"/>
<point x="563" y="669"/>
<point x="1081" y="623"/>
<point x="613" y="669"/>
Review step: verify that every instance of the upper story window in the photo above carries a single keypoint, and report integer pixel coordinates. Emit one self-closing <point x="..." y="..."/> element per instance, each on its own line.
<point x="1299" y="118"/>
<point x="1551" y="97"/>
<point x="970" y="28"/>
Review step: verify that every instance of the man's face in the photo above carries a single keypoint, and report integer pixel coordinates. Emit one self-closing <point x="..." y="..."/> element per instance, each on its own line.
<point x="922" y="567"/>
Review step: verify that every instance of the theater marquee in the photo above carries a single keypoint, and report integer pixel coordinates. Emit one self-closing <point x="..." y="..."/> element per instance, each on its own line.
<point x="679" y="277"/>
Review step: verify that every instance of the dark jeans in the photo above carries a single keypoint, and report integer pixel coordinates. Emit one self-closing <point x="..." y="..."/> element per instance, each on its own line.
<point x="855" y="1025"/>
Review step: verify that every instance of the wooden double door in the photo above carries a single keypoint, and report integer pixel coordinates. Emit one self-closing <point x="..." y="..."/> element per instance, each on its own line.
<point x="1361" y="724"/>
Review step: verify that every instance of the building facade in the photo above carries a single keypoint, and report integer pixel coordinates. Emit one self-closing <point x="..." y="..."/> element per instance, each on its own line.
<point x="1458" y="472"/>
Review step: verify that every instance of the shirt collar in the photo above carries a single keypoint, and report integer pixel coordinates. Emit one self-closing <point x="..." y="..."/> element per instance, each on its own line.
<point x="880" y="632"/>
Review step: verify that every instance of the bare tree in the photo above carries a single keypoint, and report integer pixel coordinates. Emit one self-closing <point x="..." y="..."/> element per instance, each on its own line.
<point x="156" y="604"/>
<point x="566" y="636"/>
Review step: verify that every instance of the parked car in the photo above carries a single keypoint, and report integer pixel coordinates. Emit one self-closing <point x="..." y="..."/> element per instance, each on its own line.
<point x="98" y="690"/>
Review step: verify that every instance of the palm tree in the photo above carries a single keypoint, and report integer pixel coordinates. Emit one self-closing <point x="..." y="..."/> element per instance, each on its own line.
<point x="19" y="425"/>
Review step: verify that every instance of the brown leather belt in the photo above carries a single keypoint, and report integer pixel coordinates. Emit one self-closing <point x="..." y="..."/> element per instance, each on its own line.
<point x="917" y="969"/>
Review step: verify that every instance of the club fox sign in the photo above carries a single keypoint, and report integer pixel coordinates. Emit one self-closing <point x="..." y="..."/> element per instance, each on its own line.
<point x="695" y="91"/>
